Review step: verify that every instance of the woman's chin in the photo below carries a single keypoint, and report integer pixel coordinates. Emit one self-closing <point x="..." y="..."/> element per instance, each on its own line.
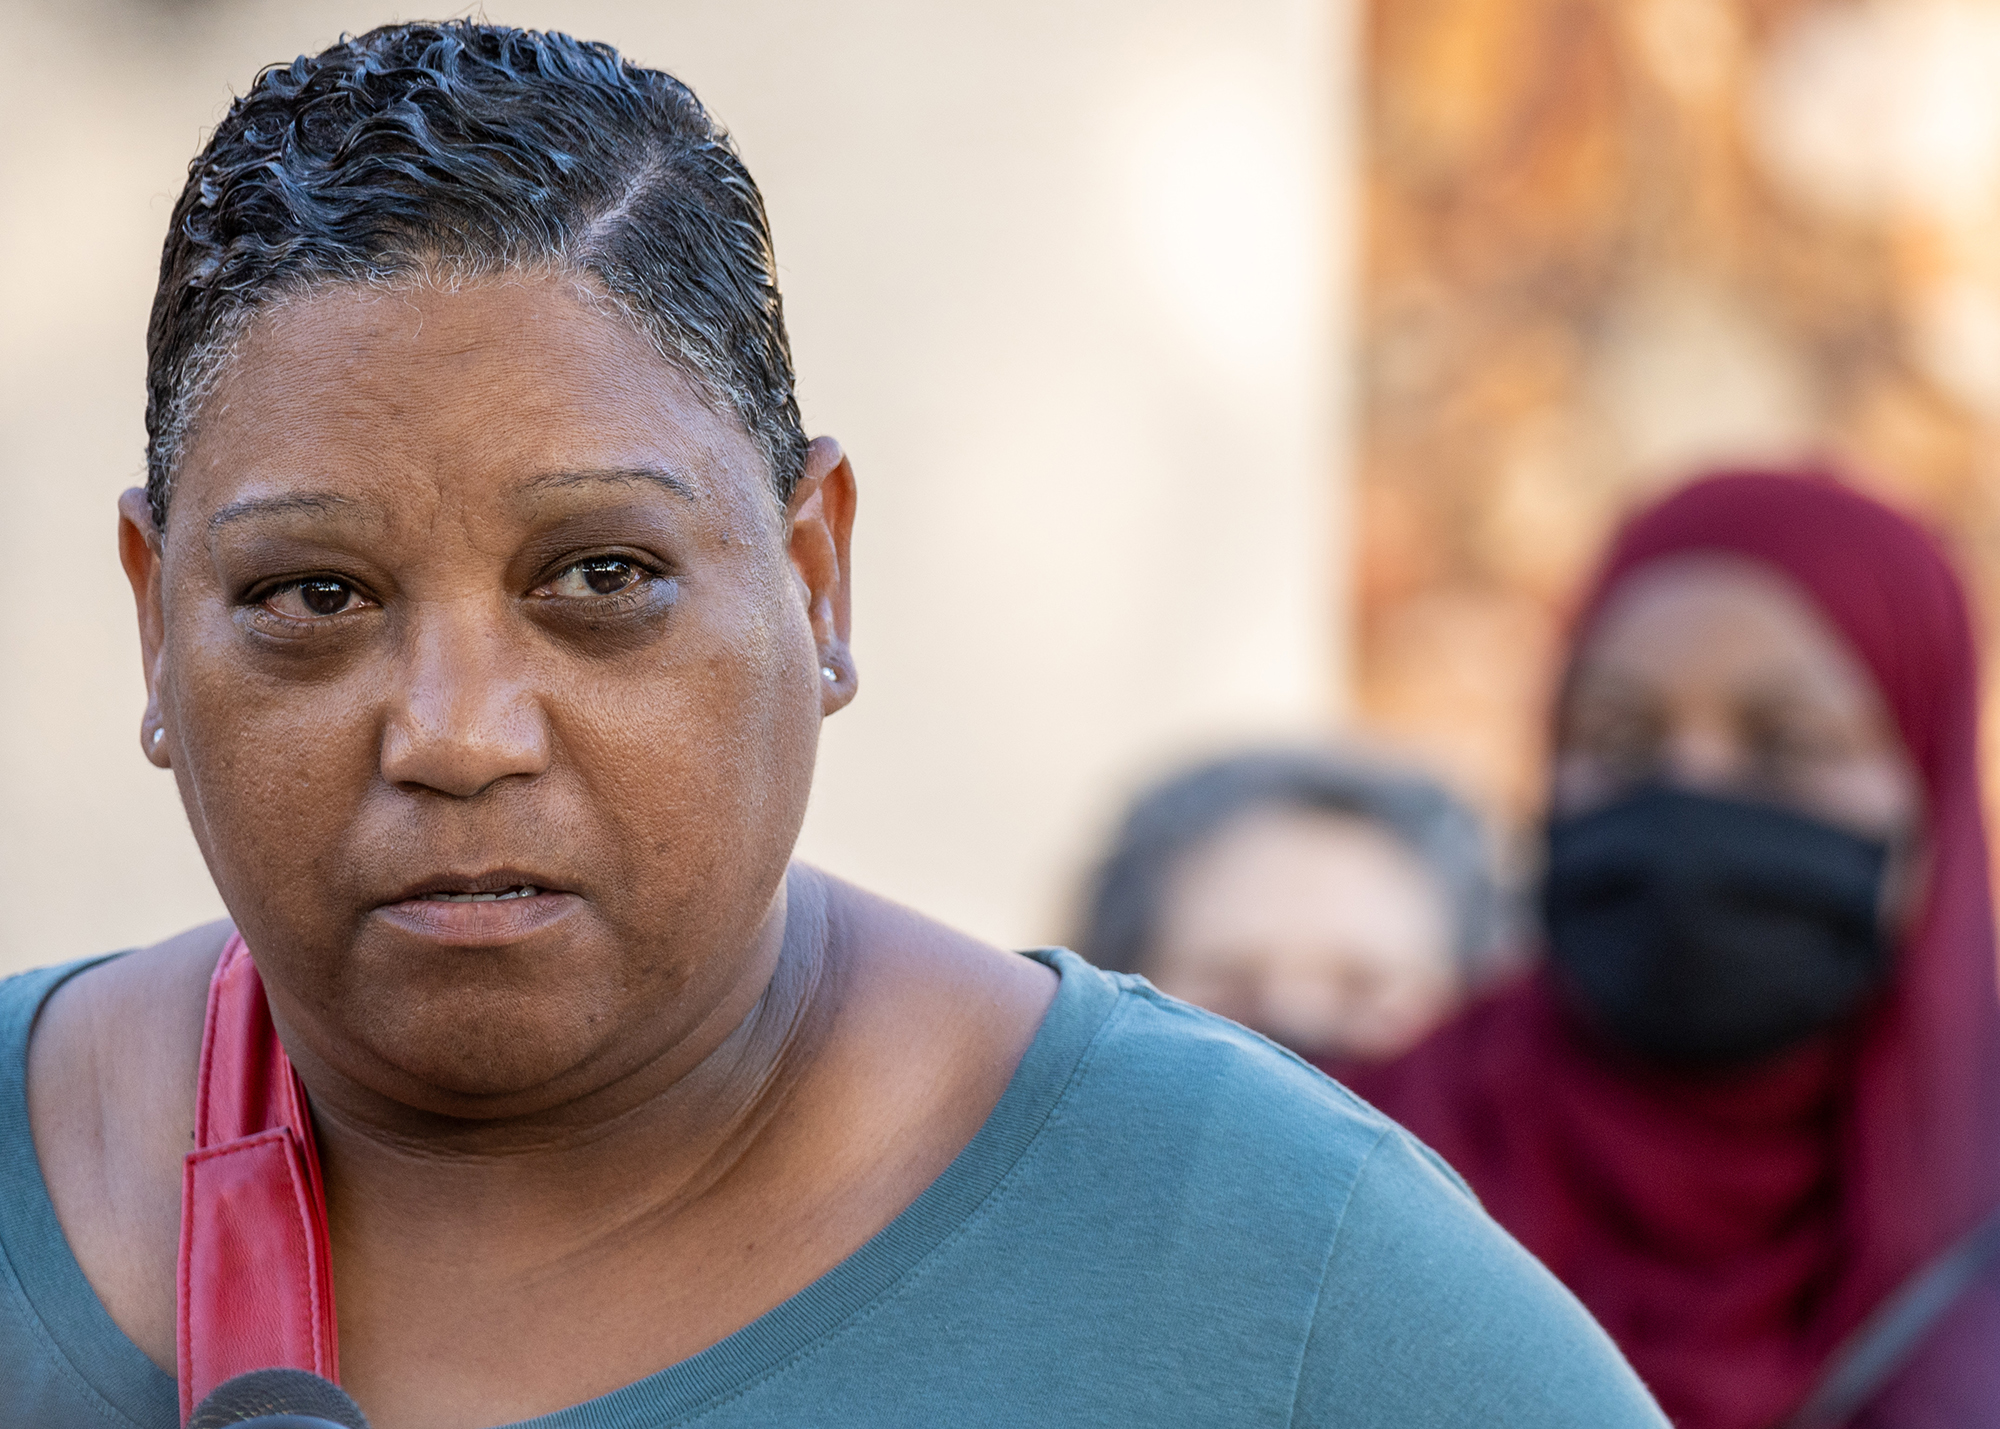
<point x="485" y="1070"/>
<point x="488" y="1046"/>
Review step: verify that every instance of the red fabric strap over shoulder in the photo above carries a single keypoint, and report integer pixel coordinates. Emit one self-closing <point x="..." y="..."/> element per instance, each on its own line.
<point x="256" y="1276"/>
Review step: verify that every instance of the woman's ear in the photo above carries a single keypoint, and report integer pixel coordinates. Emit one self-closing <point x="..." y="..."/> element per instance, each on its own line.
<point x="139" y="551"/>
<point x="821" y="520"/>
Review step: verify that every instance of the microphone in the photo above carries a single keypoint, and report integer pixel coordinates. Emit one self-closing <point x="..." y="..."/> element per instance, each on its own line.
<point x="278" y="1399"/>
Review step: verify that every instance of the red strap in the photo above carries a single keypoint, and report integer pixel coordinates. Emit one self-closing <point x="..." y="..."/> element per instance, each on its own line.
<point x="256" y="1275"/>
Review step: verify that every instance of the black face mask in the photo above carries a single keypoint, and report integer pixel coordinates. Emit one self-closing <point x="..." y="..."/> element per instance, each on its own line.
<point x="1707" y="932"/>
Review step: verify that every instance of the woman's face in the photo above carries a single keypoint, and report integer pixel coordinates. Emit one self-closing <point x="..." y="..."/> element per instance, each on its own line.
<point x="1715" y="674"/>
<point x="467" y="594"/>
<point x="1322" y="931"/>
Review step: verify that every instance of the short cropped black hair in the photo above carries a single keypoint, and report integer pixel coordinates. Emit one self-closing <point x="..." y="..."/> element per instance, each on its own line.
<point x="463" y="149"/>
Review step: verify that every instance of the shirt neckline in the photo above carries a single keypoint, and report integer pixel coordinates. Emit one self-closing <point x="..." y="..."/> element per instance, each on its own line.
<point x="1083" y="1002"/>
<point x="73" y="1323"/>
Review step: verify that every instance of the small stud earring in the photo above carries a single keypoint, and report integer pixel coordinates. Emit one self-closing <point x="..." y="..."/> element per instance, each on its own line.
<point x="158" y="735"/>
<point x="829" y="673"/>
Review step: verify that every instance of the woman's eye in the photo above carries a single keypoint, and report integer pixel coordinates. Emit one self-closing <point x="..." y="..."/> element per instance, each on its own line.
<point x="1787" y="745"/>
<point x="313" y="598"/>
<point x="604" y="575"/>
<point x="1626" y="738"/>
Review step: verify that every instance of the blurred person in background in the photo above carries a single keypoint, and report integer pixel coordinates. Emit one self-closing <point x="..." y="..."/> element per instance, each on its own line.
<point x="1339" y="907"/>
<point x="1753" y="1098"/>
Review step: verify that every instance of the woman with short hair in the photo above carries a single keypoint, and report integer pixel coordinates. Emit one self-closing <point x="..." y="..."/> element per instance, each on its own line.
<point x="491" y="598"/>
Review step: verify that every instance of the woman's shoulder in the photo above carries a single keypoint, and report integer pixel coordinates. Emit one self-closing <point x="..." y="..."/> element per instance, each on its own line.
<point x="1290" y="1166"/>
<point x="111" y="1064"/>
<point x="1172" y="1108"/>
<point x="116" y="1036"/>
<point x="1257" y="1224"/>
<point x="121" y="1019"/>
<point x="1170" y="1062"/>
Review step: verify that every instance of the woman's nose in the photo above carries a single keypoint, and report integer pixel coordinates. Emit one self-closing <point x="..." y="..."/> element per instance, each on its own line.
<point x="463" y="715"/>
<point x="1706" y="754"/>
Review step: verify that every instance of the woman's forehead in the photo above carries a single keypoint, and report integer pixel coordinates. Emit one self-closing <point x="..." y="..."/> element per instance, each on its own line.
<point x="1721" y="620"/>
<point x="492" y="383"/>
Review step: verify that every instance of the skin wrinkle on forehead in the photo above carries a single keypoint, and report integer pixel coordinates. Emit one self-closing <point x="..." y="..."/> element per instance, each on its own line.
<point x="204" y="395"/>
<point x="332" y="502"/>
<point x="299" y="502"/>
<point x="681" y="486"/>
<point x="636" y="385"/>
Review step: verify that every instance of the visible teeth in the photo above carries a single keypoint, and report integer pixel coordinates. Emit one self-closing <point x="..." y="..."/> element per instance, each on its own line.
<point x="524" y="891"/>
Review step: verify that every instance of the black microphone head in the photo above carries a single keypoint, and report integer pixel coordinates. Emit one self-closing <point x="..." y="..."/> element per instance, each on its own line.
<point x="278" y="1399"/>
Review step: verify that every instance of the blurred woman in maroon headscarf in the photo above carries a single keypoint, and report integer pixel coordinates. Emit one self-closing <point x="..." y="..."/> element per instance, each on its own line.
<point x="1753" y="1095"/>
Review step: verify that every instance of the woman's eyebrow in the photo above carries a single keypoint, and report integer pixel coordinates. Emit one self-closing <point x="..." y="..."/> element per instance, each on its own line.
<point x="1608" y="682"/>
<point x="621" y="475"/>
<point x="315" y="502"/>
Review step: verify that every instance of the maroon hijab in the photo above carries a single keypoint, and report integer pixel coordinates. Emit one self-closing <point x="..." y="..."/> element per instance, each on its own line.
<point x="1730" y="1231"/>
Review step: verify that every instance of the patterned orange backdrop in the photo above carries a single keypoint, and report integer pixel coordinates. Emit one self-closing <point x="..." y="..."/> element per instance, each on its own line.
<point x="1612" y="241"/>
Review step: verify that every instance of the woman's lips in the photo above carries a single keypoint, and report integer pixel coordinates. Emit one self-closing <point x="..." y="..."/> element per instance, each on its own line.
<point x="461" y="918"/>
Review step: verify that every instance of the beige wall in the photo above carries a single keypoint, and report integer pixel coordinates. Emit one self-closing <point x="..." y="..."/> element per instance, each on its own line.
<point x="1068" y="280"/>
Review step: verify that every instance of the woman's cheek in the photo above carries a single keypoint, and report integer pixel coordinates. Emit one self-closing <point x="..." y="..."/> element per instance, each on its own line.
<point x="272" y="777"/>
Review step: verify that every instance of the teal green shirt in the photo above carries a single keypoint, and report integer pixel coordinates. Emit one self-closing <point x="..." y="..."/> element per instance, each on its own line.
<point x="1165" y="1221"/>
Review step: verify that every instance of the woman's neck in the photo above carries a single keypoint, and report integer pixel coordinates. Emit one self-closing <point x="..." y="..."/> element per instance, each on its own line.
<point x="650" y="1141"/>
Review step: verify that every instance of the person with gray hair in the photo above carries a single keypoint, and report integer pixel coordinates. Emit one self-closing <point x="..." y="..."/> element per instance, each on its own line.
<point x="1336" y="904"/>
